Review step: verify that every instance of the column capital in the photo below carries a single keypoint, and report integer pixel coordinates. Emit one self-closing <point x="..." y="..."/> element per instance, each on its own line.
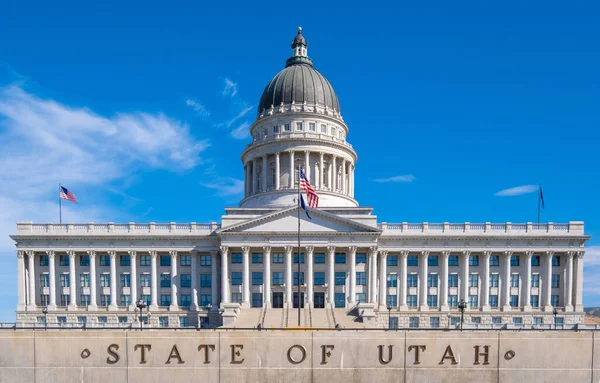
<point x="466" y="253"/>
<point x="352" y="249"/>
<point x="570" y="254"/>
<point x="193" y="252"/>
<point x="71" y="253"/>
<point x="331" y="249"/>
<point x="153" y="253"/>
<point x="173" y="253"/>
<point x="404" y="253"/>
<point x="310" y="249"/>
<point x="549" y="253"/>
<point x="321" y="154"/>
<point x="508" y="253"/>
<point x="445" y="253"/>
<point x="373" y="250"/>
<point x="91" y="253"/>
<point x="224" y="249"/>
<point x="277" y="154"/>
<point x="50" y="253"/>
<point x="112" y="254"/>
<point x="487" y="253"/>
<point x="425" y="253"/>
<point x="529" y="253"/>
<point x="30" y="253"/>
<point x="213" y="253"/>
<point x="267" y="250"/>
<point x="20" y="254"/>
<point x="383" y="254"/>
<point x="246" y="250"/>
<point x="580" y="254"/>
<point x="288" y="249"/>
<point x="132" y="253"/>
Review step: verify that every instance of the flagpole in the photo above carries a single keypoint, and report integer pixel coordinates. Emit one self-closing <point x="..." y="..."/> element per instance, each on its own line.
<point x="299" y="244"/>
<point x="59" y="206"/>
<point x="539" y="201"/>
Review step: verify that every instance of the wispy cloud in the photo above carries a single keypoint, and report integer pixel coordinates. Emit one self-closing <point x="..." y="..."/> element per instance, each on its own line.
<point x="402" y="178"/>
<point x="198" y="107"/>
<point x="241" y="114"/>
<point x="241" y="132"/>
<point x="230" y="88"/>
<point x="226" y="186"/>
<point x="517" y="190"/>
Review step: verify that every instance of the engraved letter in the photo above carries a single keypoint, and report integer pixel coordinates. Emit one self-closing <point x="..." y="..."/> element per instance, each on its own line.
<point x="206" y="347"/>
<point x="418" y="349"/>
<point x="382" y="360"/>
<point x="235" y="352"/>
<point x="449" y="354"/>
<point x="302" y="350"/>
<point x="143" y="348"/>
<point x="112" y="351"/>
<point x="485" y="354"/>
<point x="174" y="354"/>
<point x="326" y="352"/>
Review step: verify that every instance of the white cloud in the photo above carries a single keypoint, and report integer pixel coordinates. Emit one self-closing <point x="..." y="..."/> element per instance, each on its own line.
<point x="226" y="186"/>
<point x="518" y="190"/>
<point x="241" y="132"/>
<point x="198" y="107"/>
<point x="402" y="178"/>
<point x="230" y="88"/>
<point x="239" y="115"/>
<point x="592" y="256"/>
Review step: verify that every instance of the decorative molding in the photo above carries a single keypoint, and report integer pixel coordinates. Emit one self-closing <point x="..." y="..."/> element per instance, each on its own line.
<point x="50" y="253"/>
<point x="173" y="253"/>
<point x="267" y="250"/>
<point x="20" y="254"/>
<point x="132" y="253"/>
<point x="91" y="253"/>
<point x="113" y="254"/>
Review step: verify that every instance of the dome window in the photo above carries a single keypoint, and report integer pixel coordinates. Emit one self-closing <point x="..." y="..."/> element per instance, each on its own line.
<point x="287" y="128"/>
<point x="324" y="129"/>
<point x="333" y="131"/>
<point x="312" y="127"/>
<point x="298" y="126"/>
<point x="276" y="129"/>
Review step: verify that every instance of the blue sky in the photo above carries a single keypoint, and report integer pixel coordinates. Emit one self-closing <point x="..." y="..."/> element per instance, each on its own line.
<point x="143" y="110"/>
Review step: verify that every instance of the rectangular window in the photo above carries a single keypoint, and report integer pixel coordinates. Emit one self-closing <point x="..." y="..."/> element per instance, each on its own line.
<point x="453" y="280"/>
<point x="104" y="260"/>
<point x="340" y="258"/>
<point x="537" y="320"/>
<point x="473" y="301"/>
<point x="45" y="299"/>
<point x="494" y="260"/>
<point x="493" y="301"/>
<point x="296" y="278"/>
<point x="476" y="320"/>
<point x="473" y="280"/>
<point x="43" y="260"/>
<point x="84" y="299"/>
<point x="257" y="299"/>
<point x="413" y="260"/>
<point x="556" y="260"/>
<point x="84" y="260"/>
<point x="125" y="280"/>
<point x="324" y="129"/>
<point x="125" y="300"/>
<point x="65" y="281"/>
<point x="453" y="260"/>
<point x="434" y="322"/>
<point x="392" y="280"/>
<point x="185" y="260"/>
<point x="361" y="278"/>
<point x="185" y="300"/>
<point x="497" y="320"/>
<point x="514" y="280"/>
<point x="494" y="278"/>
<point x="82" y="320"/>
<point x="44" y="280"/>
<point x="534" y="301"/>
<point x="236" y="297"/>
<point x="257" y="258"/>
<point x="340" y="300"/>
<point x="361" y="298"/>
<point x="275" y="129"/>
<point x="278" y="278"/>
<point x="277" y="258"/>
<point x="165" y="280"/>
<point x="205" y="280"/>
<point x="298" y="126"/>
<point x="65" y="300"/>
<point x="145" y="280"/>
<point x="64" y="260"/>
<point x="535" y="280"/>
<point x="391" y="300"/>
<point x="319" y="258"/>
<point x="296" y="258"/>
<point x="514" y="260"/>
<point x="514" y="301"/>
<point x="412" y="280"/>
<point x="257" y="278"/>
<point x="103" y="320"/>
<point x="286" y="127"/>
<point x="184" y="322"/>
<point x="165" y="300"/>
<point x="453" y="300"/>
<point x="104" y="300"/>
<point x="236" y="278"/>
<point x="413" y="322"/>
<point x="517" y="320"/>
<point x="165" y="260"/>
<point x="535" y="260"/>
<point x="147" y="299"/>
<point x="125" y="260"/>
<point x="319" y="278"/>
<point x="454" y="320"/>
<point x="205" y="300"/>
<point x="554" y="300"/>
<point x="333" y="131"/>
<point x="432" y="280"/>
<point x="312" y="126"/>
<point x="558" y="321"/>
<point x="473" y="260"/>
<point x="145" y="260"/>
<point x="186" y="280"/>
<point x="340" y="278"/>
<point x="105" y="280"/>
<point x="555" y="281"/>
<point x="411" y="300"/>
<point x="163" y="322"/>
<point x="392" y="260"/>
<point x="432" y="300"/>
<point x="361" y="258"/>
<point x="432" y="260"/>
<point x="205" y="260"/>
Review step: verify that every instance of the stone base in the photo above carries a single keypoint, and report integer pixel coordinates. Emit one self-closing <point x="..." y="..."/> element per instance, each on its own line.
<point x="568" y="309"/>
<point x="113" y="308"/>
<point x="173" y="308"/>
<point x="229" y="313"/>
<point x="366" y="311"/>
<point x="89" y="308"/>
<point x="485" y="308"/>
<point x="526" y="309"/>
<point x="506" y="308"/>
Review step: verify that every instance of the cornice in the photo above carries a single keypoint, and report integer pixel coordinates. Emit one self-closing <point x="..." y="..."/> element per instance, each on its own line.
<point x="299" y="140"/>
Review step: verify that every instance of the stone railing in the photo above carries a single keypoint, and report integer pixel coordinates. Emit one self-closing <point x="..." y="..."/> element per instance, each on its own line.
<point x="172" y="228"/>
<point x="307" y="135"/>
<point x="572" y="228"/>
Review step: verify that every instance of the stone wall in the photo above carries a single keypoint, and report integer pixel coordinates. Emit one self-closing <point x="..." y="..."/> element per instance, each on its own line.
<point x="298" y="356"/>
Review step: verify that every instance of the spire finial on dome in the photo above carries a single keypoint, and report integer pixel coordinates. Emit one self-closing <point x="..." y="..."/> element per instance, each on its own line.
<point x="299" y="50"/>
<point x="299" y="30"/>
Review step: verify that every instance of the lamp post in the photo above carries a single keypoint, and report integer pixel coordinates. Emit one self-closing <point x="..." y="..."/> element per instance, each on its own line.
<point x="141" y="305"/>
<point x="45" y="311"/>
<point x="554" y="311"/>
<point x="389" y="307"/>
<point x="462" y="305"/>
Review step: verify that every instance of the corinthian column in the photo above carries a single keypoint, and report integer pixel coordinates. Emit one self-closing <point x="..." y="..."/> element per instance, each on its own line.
<point x="73" y="281"/>
<point x="373" y="270"/>
<point x="505" y="280"/>
<point x="309" y="277"/>
<point x="225" y="298"/>
<point x="464" y="270"/>
<point x="245" y="276"/>
<point x="334" y="176"/>
<point x="331" y="273"/>
<point x="21" y="280"/>
<point x="321" y="169"/>
<point x="579" y="286"/>
<point x="403" y="279"/>
<point x="52" y="278"/>
<point x="267" y="279"/>
<point x="264" y="173"/>
<point x="569" y="281"/>
<point x="113" y="280"/>
<point x="292" y="175"/>
<point x="154" y="276"/>
<point x="194" y="259"/>
<point x="254" y="178"/>
<point x="31" y="269"/>
<point x="343" y="176"/>
<point x="382" y="279"/>
<point x="93" y="301"/>
<point x="307" y="164"/>
<point x="526" y="282"/>
<point x="214" y="280"/>
<point x="288" y="275"/>
<point x="423" y="268"/>
<point x="277" y="172"/>
<point x="352" y="289"/>
<point x="133" y="259"/>
<point x="547" y="280"/>
<point x="174" y="281"/>
<point x="485" y="291"/>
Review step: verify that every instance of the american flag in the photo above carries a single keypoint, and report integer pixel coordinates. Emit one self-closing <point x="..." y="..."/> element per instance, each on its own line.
<point x="311" y="194"/>
<point x="66" y="194"/>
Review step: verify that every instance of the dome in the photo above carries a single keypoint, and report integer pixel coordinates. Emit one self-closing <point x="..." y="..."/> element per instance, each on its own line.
<point x="299" y="82"/>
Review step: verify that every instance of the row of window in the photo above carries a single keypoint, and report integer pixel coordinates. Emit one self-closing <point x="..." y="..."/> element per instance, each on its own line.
<point x="434" y="322"/>
<point x="163" y="321"/>
<point x="185" y="280"/>
<point x="185" y="300"/>
<point x="433" y="260"/>
<point x="432" y="280"/>
<point x="125" y="260"/>
<point x="299" y="127"/>
<point x="432" y="300"/>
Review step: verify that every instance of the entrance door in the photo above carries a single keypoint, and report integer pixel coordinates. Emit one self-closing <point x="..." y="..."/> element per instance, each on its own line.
<point x="296" y="300"/>
<point x="319" y="300"/>
<point x="277" y="300"/>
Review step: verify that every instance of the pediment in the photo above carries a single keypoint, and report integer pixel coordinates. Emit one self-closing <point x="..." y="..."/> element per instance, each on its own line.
<point x="286" y="221"/>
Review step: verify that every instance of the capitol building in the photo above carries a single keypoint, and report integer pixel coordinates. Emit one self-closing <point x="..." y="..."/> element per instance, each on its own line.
<point x="351" y="270"/>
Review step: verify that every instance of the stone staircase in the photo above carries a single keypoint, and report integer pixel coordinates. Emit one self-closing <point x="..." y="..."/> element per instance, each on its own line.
<point x="320" y="318"/>
<point x="273" y="318"/>
<point x="249" y="318"/>
<point x="346" y="318"/>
